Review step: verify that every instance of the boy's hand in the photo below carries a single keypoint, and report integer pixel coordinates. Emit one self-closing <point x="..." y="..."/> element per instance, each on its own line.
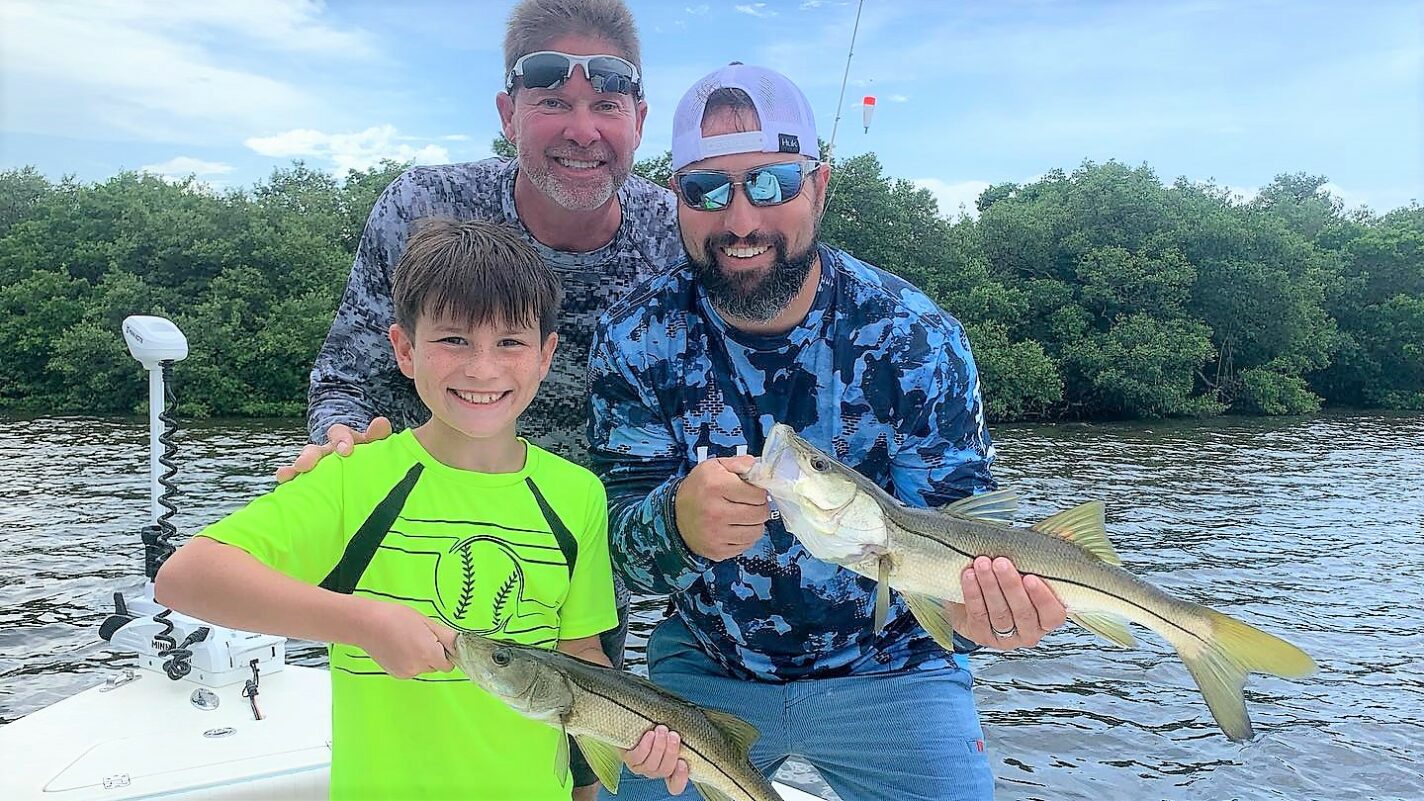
<point x="718" y="514"/>
<point x="339" y="438"/>
<point x="655" y="756"/>
<point x="404" y="642"/>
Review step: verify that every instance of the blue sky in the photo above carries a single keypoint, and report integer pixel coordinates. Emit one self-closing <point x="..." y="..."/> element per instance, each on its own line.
<point x="970" y="92"/>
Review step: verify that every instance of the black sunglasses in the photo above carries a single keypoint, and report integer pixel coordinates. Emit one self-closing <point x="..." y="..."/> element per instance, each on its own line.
<point x="767" y="185"/>
<point x="548" y="69"/>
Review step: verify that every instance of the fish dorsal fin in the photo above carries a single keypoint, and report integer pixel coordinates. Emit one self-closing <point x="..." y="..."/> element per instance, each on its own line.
<point x="741" y="733"/>
<point x="606" y="761"/>
<point x="710" y="793"/>
<point x="999" y="506"/>
<point x="1083" y="526"/>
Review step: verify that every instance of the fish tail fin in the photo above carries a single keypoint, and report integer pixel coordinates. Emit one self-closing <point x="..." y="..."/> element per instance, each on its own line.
<point x="1220" y="661"/>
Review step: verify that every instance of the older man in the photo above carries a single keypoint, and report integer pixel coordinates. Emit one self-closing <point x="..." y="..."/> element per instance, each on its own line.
<point x="764" y="324"/>
<point x="573" y="107"/>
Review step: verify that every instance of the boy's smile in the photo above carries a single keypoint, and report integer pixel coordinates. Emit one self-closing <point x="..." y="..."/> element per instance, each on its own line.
<point x="476" y="379"/>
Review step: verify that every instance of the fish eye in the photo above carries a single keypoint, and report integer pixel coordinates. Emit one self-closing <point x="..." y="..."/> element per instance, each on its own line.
<point x="501" y="657"/>
<point x="820" y="464"/>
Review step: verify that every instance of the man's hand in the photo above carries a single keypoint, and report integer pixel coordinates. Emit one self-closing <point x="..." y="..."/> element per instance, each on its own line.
<point x="720" y="515"/>
<point x="656" y="756"/>
<point x="404" y="642"/>
<point x="339" y="438"/>
<point x="1003" y="609"/>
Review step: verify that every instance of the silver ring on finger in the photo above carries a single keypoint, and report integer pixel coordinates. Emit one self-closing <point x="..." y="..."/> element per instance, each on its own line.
<point x="1012" y="632"/>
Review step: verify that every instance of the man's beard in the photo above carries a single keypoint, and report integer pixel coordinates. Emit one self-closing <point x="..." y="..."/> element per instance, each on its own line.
<point x="757" y="296"/>
<point x="581" y="196"/>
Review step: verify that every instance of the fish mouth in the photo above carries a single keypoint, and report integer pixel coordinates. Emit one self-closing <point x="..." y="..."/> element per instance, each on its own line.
<point x="777" y="466"/>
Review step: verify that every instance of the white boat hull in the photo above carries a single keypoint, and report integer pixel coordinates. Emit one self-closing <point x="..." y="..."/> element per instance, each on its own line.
<point x="145" y="740"/>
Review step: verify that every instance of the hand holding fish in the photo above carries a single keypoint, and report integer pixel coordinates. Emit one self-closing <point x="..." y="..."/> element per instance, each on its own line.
<point x="718" y="514"/>
<point x="612" y="715"/>
<point x="403" y="642"/>
<point x="657" y="757"/>
<point x="842" y="517"/>
<point x="1003" y="609"/>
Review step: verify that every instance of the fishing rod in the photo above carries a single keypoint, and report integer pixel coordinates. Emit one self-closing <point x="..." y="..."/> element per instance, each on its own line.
<point x="831" y="147"/>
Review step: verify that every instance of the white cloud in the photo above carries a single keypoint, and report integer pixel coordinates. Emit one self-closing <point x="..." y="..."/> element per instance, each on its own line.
<point x="898" y="98"/>
<point x="180" y="167"/>
<point x="131" y="69"/>
<point x="348" y="151"/>
<point x="456" y="137"/>
<point x="954" y="199"/>
<point x="1241" y="194"/>
<point x="1349" y="197"/>
<point x="810" y="4"/>
<point x="755" y="9"/>
<point x="698" y="11"/>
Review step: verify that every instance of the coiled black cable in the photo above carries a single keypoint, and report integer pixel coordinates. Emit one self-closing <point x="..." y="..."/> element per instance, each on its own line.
<point x="180" y="658"/>
<point x="157" y="538"/>
<point x="162" y="639"/>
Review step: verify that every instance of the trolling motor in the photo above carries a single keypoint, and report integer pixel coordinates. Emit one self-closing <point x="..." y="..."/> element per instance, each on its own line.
<point x="168" y="642"/>
<point x="157" y="344"/>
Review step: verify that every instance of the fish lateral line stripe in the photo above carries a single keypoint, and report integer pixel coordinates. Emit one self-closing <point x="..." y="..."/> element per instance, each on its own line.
<point x="1128" y="601"/>
<point x="685" y="743"/>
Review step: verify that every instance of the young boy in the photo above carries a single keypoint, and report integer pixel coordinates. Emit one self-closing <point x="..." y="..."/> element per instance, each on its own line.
<point x="457" y="525"/>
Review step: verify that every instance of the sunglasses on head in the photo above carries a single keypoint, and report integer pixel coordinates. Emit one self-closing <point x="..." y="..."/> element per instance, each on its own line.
<point x="549" y="69"/>
<point x="767" y="185"/>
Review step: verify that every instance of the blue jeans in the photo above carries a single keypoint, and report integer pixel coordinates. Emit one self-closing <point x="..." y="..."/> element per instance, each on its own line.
<point x="911" y="736"/>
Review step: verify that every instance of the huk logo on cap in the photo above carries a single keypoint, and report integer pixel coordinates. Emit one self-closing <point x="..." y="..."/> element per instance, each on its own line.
<point x="789" y="143"/>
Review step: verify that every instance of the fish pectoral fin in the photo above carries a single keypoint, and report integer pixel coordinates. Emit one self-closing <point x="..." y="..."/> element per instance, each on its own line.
<point x="606" y="761"/>
<point x="711" y="793"/>
<point x="930" y="613"/>
<point x="1000" y="506"/>
<point x="1109" y="627"/>
<point x="739" y="732"/>
<point x="1083" y="526"/>
<point x="882" y="594"/>
<point x="561" y="758"/>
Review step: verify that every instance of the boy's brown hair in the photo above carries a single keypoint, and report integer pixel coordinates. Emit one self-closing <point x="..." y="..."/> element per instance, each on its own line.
<point x="475" y="273"/>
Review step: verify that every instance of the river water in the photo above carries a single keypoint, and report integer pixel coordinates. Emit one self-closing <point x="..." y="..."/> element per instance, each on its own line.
<point x="1312" y="528"/>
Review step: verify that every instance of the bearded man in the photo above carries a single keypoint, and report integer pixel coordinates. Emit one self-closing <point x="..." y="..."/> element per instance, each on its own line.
<point x="763" y="324"/>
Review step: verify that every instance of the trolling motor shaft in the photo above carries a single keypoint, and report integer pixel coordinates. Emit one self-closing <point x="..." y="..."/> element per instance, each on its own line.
<point x="157" y="344"/>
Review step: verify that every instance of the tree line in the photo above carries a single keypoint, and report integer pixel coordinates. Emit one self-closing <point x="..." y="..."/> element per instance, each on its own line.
<point x="1100" y="293"/>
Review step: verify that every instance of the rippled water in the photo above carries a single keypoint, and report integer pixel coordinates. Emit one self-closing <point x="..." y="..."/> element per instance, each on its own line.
<point x="1311" y="528"/>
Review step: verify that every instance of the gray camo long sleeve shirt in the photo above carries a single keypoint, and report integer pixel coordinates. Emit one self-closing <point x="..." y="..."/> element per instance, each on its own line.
<point x="356" y="379"/>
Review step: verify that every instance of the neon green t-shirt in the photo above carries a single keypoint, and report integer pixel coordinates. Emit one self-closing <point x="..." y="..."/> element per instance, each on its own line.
<point x="517" y="556"/>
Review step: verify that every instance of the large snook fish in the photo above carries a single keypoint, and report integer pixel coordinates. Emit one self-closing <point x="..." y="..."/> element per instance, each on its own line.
<point x="607" y="710"/>
<point x="844" y="518"/>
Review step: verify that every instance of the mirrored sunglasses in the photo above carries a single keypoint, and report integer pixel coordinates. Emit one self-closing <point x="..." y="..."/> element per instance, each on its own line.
<point x="549" y="69"/>
<point x="767" y="185"/>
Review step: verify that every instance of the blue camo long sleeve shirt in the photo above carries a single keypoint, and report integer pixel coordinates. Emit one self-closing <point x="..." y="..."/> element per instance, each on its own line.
<point x="876" y="374"/>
